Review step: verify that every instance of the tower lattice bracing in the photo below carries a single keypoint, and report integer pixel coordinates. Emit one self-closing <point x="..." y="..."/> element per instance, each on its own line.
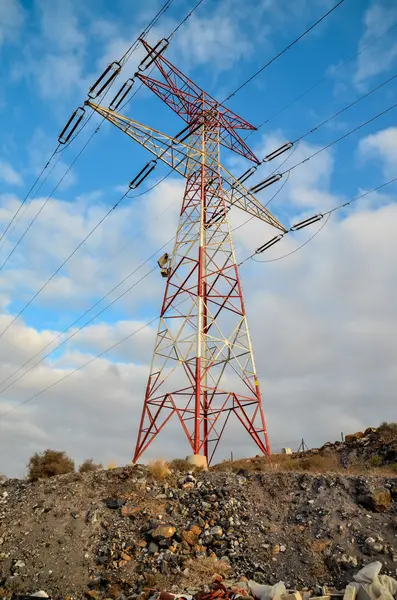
<point x="203" y="368"/>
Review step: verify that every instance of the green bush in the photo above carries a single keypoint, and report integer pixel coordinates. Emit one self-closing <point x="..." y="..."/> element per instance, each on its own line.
<point x="375" y="460"/>
<point x="48" y="464"/>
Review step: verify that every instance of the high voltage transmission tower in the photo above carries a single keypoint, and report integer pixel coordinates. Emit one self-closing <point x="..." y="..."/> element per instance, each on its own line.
<point x="203" y="368"/>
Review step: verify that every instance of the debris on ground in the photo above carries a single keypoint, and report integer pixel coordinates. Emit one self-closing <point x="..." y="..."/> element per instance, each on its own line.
<point x="123" y="534"/>
<point x="371" y="446"/>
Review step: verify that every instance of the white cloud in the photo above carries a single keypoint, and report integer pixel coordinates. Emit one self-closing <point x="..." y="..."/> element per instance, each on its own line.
<point x="382" y="146"/>
<point x="217" y="40"/>
<point x="12" y="17"/>
<point x="9" y="175"/>
<point x="378" y="18"/>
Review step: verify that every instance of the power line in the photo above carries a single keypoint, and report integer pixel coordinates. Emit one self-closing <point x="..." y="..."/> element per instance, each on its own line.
<point x="375" y="89"/>
<point x="129" y="336"/>
<point x="46" y="202"/>
<point x="29" y="192"/>
<point x="78" y="330"/>
<point x="49" y="197"/>
<point x="342" y="137"/>
<point x="123" y="60"/>
<point x="34" y="396"/>
<point x="60" y="334"/>
<point x="309" y="221"/>
<point x="274" y="154"/>
<point x="315" y="234"/>
<point x="185" y="19"/>
<point x="320" y="81"/>
<point x="295" y="41"/>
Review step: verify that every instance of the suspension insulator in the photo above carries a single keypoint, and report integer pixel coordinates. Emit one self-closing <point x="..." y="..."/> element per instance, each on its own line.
<point x="153" y="54"/>
<point x="121" y="94"/>
<point x="266" y="182"/>
<point x="269" y="244"/>
<point x="104" y="80"/>
<point x="307" y="222"/>
<point x="71" y="125"/>
<point x="188" y="134"/>
<point x="277" y="152"/>
<point x="145" y="172"/>
<point x="217" y="216"/>
<point x="247" y="174"/>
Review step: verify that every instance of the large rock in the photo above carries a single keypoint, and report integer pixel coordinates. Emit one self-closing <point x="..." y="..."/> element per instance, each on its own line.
<point x="377" y="500"/>
<point x="163" y="532"/>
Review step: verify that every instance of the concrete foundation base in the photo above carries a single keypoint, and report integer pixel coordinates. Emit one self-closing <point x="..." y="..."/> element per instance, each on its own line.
<point x="198" y="460"/>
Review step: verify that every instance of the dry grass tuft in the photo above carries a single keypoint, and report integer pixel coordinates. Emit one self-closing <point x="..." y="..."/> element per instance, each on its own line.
<point x="159" y="469"/>
<point x="203" y="570"/>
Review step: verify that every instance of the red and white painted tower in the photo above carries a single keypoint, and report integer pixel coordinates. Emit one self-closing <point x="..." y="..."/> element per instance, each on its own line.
<point x="203" y="368"/>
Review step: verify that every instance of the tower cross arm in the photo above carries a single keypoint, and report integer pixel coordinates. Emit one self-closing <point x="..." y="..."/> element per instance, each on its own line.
<point x="180" y="157"/>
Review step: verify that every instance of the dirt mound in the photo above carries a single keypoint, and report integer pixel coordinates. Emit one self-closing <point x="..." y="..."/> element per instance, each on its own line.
<point x="111" y="534"/>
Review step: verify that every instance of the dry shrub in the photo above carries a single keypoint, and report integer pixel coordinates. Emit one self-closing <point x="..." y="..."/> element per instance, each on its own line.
<point x="88" y="466"/>
<point x="159" y="469"/>
<point x="203" y="570"/>
<point x="181" y="465"/>
<point x="48" y="464"/>
<point x="388" y="430"/>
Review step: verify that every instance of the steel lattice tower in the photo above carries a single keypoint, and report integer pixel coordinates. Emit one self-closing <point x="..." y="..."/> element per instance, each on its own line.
<point x="203" y="367"/>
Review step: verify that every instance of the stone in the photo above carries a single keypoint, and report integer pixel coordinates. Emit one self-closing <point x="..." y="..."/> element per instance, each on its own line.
<point x="125" y="556"/>
<point x="377" y="500"/>
<point x="189" y="537"/>
<point x="163" y="532"/>
<point x="40" y="594"/>
<point x="189" y="485"/>
<point x="114" y="503"/>
<point x="130" y="511"/>
<point x="292" y="596"/>
<point x="348" y="562"/>
<point x="19" y="564"/>
<point x="153" y="548"/>
<point x="371" y="546"/>
<point x="216" y="531"/>
<point x="195" y="529"/>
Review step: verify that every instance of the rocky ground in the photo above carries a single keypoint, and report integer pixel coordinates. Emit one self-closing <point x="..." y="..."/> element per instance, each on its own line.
<point x="115" y="534"/>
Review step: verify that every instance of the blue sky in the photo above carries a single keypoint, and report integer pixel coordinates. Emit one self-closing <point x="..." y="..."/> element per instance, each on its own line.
<point x="333" y="297"/>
